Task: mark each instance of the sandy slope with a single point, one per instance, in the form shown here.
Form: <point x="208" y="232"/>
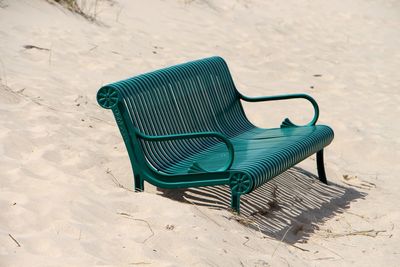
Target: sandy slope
<point x="61" y="153"/>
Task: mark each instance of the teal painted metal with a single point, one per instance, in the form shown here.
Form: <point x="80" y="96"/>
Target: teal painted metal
<point x="184" y="126"/>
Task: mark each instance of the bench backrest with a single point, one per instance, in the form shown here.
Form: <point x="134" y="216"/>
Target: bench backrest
<point x="198" y="96"/>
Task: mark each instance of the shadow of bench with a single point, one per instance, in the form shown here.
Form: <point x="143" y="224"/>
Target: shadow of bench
<point x="290" y="207"/>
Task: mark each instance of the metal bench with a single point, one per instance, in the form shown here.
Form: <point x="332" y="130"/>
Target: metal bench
<point x="184" y="126"/>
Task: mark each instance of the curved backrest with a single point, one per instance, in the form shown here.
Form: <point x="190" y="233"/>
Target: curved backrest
<point x="193" y="97"/>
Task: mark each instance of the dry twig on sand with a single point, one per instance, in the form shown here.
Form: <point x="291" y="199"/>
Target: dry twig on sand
<point x="369" y="233"/>
<point x="356" y="182"/>
<point x="116" y="182"/>
<point x="194" y="204"/>
<point x="242" y="220"/>
<point x="128" y="216"/>
<point x="36" y="47"/>
<point x="283" y="238"/>
<point x="15" y="240"/>
<point x="272" y="205"/>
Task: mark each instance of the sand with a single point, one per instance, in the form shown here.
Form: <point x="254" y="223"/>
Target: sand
<point x="65" y="187"/>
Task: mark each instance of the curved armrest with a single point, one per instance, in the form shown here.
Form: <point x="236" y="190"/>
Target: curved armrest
<point x="191" y="136"/>
<point x="287" y="122"/>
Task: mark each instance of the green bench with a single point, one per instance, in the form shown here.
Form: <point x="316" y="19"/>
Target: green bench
<point x="184" y="126"/>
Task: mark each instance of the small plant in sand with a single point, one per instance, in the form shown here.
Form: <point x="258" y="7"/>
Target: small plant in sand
<point x="2" y="4"/>
<point x="73" y="6"/>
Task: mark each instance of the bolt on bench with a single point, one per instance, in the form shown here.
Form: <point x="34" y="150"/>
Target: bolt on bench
<point x="184" y="126"/>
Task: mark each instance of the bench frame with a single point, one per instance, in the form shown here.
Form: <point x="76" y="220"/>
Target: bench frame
<point x="239" y="182"/>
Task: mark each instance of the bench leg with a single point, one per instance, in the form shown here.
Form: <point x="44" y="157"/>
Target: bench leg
<point x="235" y="202"/>
<point x="320" y="166"/>
<point x="139" y="183"/>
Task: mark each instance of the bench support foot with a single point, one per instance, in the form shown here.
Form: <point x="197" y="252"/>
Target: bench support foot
<point x="240" y="183"/>
<point x="235" y="202"/>
<point x="320" y="166"/>
<point x="139" y="183"/>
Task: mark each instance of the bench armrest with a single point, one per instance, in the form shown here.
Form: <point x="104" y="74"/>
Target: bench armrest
<point x="220" y="136"/>
<point x="286" y="122"/>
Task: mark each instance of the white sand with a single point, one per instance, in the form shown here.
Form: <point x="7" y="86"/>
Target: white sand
<point x="60" y="151"/>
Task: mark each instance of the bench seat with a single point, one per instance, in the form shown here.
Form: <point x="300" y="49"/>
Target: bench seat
<point x="262" y="153"/>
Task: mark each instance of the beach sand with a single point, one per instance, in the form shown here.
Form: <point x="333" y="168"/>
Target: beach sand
<point x="66" y="183"/>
